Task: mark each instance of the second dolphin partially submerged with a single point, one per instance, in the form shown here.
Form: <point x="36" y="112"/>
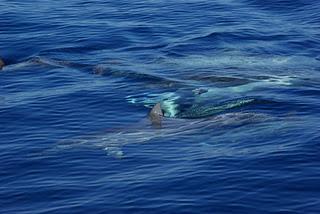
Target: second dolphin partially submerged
<point x="207" y="100"/>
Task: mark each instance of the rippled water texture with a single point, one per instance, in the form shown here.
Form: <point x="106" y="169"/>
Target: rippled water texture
<point x="238" y="83"/>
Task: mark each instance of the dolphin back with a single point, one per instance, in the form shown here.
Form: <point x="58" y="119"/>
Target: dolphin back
<point x="197" y="111"/>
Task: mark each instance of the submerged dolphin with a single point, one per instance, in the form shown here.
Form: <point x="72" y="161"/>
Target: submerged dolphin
<point x="202" y="111"/>
<point x="199" y="96"/>
<point x="159" y="126"/>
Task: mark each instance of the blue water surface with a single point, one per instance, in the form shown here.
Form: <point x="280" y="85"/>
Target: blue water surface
<point x="81" y="77"/>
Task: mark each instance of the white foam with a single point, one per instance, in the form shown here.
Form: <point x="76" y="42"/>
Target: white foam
<point x="167" y="100"/>
<point x="170" y="108"/>
<point x="241" y="60"/>
<point x="280" y="80"/>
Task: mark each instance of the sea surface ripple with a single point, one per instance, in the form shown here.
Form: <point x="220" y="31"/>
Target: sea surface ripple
<point x="81" y="76"/>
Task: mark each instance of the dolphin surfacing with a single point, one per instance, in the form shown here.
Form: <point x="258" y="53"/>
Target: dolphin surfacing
<point x="164" y="127"/>
<point x="156" y="115"/>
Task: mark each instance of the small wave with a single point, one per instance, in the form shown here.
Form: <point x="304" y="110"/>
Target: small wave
<point x="45" y="61"/>
<point x="149" y="79"/>
<point x="218" y="81"/>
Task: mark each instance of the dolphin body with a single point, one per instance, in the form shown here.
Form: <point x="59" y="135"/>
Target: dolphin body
<point x="159" y="126"/>
<point x="203" y="111"/>
<point x="199" y="96"/>
<point x="204" y="114"/>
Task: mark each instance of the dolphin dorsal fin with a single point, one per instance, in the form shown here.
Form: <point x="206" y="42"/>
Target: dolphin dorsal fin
<point x="156" y="115"/>
<point x="156" y="110"/>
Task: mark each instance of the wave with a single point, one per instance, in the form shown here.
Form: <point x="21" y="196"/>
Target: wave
<point x="243" y="61"/>
<point x="147" y="78"/>
<point x="107" y="70"/>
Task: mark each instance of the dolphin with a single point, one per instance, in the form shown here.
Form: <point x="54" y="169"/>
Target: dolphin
<point x="202" y="111"/>
<point x="158" y="125"/>
<point x="171" y="100"/>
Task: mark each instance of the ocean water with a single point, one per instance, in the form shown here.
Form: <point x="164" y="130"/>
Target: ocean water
<point x="82" y="76"/>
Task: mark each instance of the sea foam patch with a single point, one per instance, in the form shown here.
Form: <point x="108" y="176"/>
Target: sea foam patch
<point x="242" y="60"/>
<point x="168" y="101"/>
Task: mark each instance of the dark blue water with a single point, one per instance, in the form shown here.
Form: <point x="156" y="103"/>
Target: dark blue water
<point x="81" y="77"/>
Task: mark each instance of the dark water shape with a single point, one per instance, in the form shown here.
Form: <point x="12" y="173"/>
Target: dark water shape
<point x="80" y="77"/>
<point x="202" y="111"/>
